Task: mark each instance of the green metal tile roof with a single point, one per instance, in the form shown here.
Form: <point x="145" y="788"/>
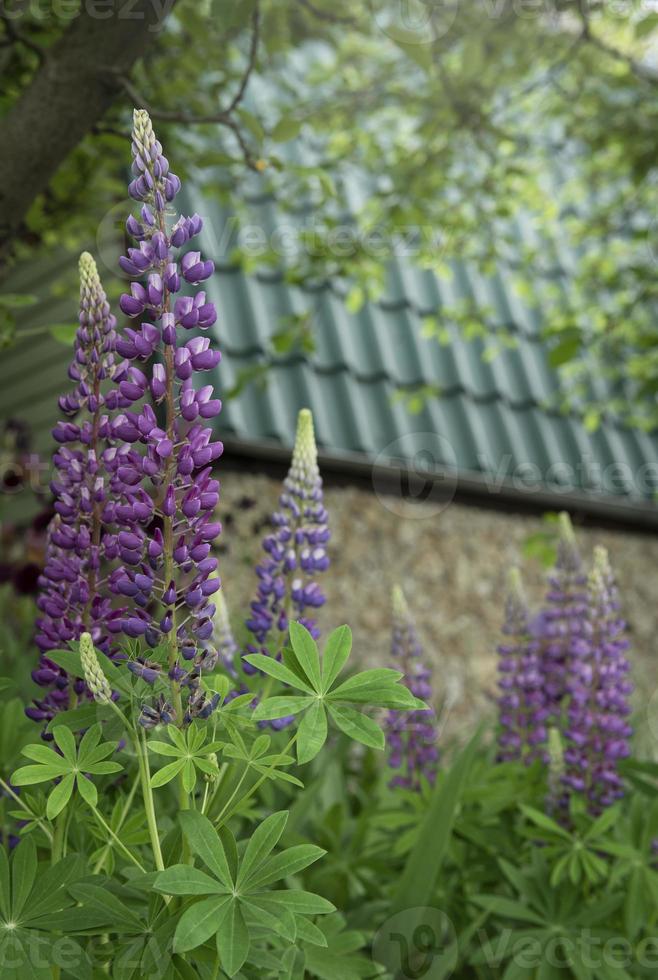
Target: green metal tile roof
<point x="489" y="415"/>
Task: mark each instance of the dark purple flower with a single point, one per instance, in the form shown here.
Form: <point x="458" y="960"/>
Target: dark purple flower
<point x="69" y="601"/>
<point x="522" y="703"/>
<point x="163" y="483"/>
<point x="559" y="626"/>
<point x="410" y="735"/>
<point x="598" y="687"/>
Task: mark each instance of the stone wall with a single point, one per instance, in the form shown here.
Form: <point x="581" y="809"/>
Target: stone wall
<point x="452" y="565"/>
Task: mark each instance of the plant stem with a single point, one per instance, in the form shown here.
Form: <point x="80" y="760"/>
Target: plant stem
<point x="42" y="823"/>
<point x="124" y="814"/>
<point x="149" y="807"/>
<point x="116" y="840"/>
<point x="223" y="816"/>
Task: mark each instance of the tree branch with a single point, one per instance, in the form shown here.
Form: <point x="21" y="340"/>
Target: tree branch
<point x="224" y="117"/>
<point x="69" y="94"/>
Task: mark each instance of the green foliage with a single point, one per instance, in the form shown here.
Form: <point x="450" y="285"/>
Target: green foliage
<point x="70" y="766"/>
<point x="468" y="126"/>
<point x="302" y="670"/>
<point x="255" y="865"/>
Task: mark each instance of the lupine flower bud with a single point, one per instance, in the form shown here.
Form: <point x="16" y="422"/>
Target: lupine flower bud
<point x="95" y="679"/>
<point x="411" y="736"/>
<point x="522" y="702"/>
<point x="295" y="549"/>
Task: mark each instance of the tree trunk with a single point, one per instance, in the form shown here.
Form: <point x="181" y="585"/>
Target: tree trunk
<point x="77" y="82"/>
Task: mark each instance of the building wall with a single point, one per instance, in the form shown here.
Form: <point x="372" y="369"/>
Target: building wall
<point x="452" y="564"/>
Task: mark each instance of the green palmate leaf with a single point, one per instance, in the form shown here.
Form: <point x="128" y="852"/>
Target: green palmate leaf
<point x="287" y="863"/>
<point x="206" y="843"/>
<point x="232" y="939"/>
<point x="182" y="879"/>
<point x="60" y="796"/>
<point x="379" y="677"/>
<point x="301" y="902"/>
<point x="312" y="733"/>
<point x="280" y="707"/>
<point x="199" y="922"/>
<point x="335" y="655"/>
<point x="391" y="696"/>
<point x="65" y="740"/>
<point x="278" y="670"/>
<point x="306" y="651"/>
<point x="310" y="933"/>
<point x="23" y="873"/>
<point x="258" y="912"/>
<point x="262" y="842"/>
<point x="508" y="908"/>
<point x="86" y="789"/>
<point x="357" y="726"/>
<point x="545" y="822"/>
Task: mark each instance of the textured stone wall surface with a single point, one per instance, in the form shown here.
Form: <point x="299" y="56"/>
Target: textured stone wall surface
<point x="452" y="565"/>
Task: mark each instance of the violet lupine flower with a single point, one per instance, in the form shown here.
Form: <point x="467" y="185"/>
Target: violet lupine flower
<point x="295" y="550"/>
<point x="162" y="473"/>
<point x="560" y="625"/>
<point x="522" y="703"/>
<point x="411" y="735"/>
<point x="598" y="731"/>
<point x="78" y="548"/>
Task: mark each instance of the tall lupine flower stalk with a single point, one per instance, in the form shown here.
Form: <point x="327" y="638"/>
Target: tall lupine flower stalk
<point x="598" y="685"/>
<point x="522" y="702"/>
<point x="560" y="625"/>
<point x="78" y="549"/>
<point x="411" y="736"/>
<point x="163" y="470"/>
<point x="294" y="550"/>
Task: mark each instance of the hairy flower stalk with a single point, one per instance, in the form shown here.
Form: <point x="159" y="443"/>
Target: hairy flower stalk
<point x="411" y="736"/>
<point x="163" y="472"/>
<point x="294" y="550"/>
<point x="78" y="548"/>
<point x="522" y="702"/>
<point x="598" y="685"/>
<point x="560" y="625"/>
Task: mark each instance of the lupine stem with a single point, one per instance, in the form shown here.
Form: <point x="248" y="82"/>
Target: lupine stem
<point x="226" y="811"/>
<point x="124" y="813"/>
<point x="116" y="840"/>
<point x="44" y="826"/>
<point x="149" y="806"/>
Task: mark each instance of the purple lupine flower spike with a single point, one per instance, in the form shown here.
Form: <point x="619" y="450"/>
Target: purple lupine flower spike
<point x="522" y="702"/>
<point x="162" y="474"/>
<point x="598" y="685"/>
<point x="560" y="625"/>
<point x="77" y="549"/>
<point x="295" y="550"/>
<point x="411" y="736"/>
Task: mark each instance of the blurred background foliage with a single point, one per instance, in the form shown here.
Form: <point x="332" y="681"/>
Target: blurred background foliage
<point x="454" y="119"/>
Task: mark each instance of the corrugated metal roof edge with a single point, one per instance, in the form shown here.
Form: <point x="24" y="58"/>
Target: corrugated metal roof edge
<point x="467" y="487"/>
